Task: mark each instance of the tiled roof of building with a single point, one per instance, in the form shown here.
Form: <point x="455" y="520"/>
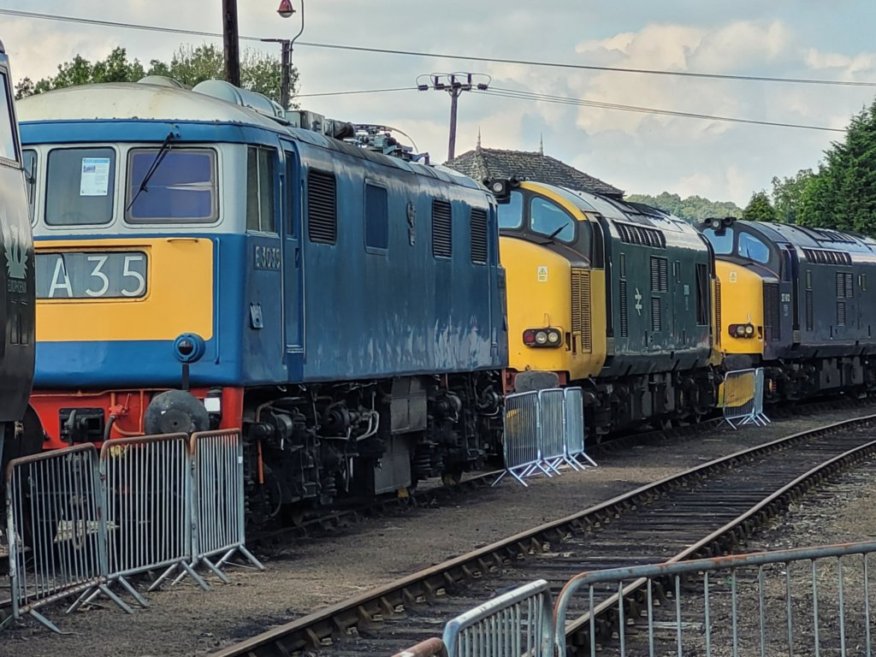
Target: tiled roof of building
<point x="492" y="163"/>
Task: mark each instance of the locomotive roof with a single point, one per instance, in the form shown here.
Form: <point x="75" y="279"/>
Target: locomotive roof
<point x="810" y="237"/>
<point x="129" y="101"/>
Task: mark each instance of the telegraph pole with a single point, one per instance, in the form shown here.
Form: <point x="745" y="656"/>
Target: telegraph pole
<point x="231" y="42"/>
<point x="454" y="84"/>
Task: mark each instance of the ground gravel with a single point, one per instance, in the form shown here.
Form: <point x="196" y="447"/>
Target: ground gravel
<point x="314" y="573"/>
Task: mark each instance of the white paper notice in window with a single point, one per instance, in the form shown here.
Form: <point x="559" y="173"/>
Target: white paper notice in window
<point x="94" y="180"/>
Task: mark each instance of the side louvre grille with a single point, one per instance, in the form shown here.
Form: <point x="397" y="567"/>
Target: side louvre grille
<point x="635" y="234"/>
<point x="581" y="320"/>
<point x="718" y="327"/>
<point x="772" y="326"/>
<point x="827" y="257"/>
<point x="656" y="315"/>
<point x="442" y="229"/>
<point x="810" y="316"/>
<point x="479" y="236"/>
<point x="622" y="303"/>
<point x="841" y="313"/>
<point x="659" y="274"/>
<point x="322" y="214"/>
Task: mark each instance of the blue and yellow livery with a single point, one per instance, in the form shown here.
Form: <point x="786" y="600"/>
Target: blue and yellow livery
<point x="343" y="306"/>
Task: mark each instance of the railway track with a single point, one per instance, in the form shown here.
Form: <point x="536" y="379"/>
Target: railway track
<point x="699" y="512"/>
<point x="330" y="521"/>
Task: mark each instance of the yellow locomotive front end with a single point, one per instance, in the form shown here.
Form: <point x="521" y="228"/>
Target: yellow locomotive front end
<point x="556" y="294"/>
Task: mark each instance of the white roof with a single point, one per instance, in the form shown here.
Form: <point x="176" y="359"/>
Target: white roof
<point x="125" y="100"/>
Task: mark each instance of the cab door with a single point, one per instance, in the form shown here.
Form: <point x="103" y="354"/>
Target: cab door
<point x="293" y="269"/>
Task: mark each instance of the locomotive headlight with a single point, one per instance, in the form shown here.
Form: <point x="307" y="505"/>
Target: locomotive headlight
<point x="542" y="337"/>
<point x="749" y="330"/>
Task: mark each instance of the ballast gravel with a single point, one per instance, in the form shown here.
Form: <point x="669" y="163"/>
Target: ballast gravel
<point x="313" y="573"/>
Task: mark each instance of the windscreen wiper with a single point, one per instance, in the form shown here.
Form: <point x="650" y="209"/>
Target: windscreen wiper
<point x="159" y="158"/>
<point x="550" y="238"/>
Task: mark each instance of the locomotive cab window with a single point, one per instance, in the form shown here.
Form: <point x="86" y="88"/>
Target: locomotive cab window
<point x="722" y="242"/>
<point x="753" y="248"/>
<point x="260" y="190"/>
<point x="29" y="160"/>
<point x="80" y="185"/>
<point x="7" y="123"/>
<point x="511" y="213"/>
<point x="171" y="186"/>
<point x="547" y="218"/>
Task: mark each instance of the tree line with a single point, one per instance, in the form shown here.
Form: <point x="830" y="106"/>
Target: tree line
<point x="189" y="66"/>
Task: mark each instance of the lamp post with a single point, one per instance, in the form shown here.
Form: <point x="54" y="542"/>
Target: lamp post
<point x="286" y="10"/>
<point x="454" y="84"/>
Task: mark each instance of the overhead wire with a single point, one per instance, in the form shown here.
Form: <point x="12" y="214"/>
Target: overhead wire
<point x="583" y="102"/>
<point x="453" y="56"/>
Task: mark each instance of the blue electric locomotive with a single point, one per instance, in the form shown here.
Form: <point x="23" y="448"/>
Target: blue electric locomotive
<point x="202" y="262"/>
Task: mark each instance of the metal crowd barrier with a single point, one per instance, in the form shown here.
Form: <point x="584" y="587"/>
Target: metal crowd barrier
<point x="552" y="418"/>
<point x="574" y="430"/>
<point x="812" y="600"/>
<point x="543" y="430"/>
<point x="149" y="507"/>
<point x="516" y="623"/>
<point x="218" y="496"/>
<point x="802" y="601"/>
<point x="742" y="393"/>
<point x="520" y="442"/>
<point x="54" y="504"/>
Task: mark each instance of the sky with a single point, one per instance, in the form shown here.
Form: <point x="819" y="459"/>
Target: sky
<point x="638" y="152"/>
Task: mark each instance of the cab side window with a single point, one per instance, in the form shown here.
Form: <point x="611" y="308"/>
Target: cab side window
<point x="7" y="124"/>
<point x="260" y="190"/>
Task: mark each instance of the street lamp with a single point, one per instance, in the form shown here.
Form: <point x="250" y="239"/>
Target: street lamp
<point x="286" y="10"/>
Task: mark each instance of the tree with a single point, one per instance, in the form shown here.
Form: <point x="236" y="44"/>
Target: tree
<point x="759" y="208"/>
<point x="259" y="72"/>
<point x="788" y="195"/>
<point x="692" y="208"/>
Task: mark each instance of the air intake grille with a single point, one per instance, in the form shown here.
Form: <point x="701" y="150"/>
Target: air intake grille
<point x="772" y="325"/>
<point x="581" y="322"/>
<point x="826" y="257"/>
<point x="622" y="302"/>
<point x="635" y="234"/>
<point x="841" y="313"/>
<point x="442" y="230"/>
<point x="656" y="314"/>
<point x="479" y="236"/>
<point x="659" y="274"/>
<point x="322" y="215"/>
<point x="718" y="328"/>
<point x="810" y="314"/>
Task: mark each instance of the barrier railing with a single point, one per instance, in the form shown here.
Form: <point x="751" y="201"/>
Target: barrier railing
<point x="742" y="394"/>
<point x="552" y="418"/>
<point x="543" y="430"/>
<point x="79" y="521"/>
<point x="812" y="600"/>
<point x="574" y="430"/>
<point x="55" y="507"/>
<point x="516" y="623"/>
<point x="218" y="496"/>
<point x="520" y="443"/>
<point x="149" y="506"/>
